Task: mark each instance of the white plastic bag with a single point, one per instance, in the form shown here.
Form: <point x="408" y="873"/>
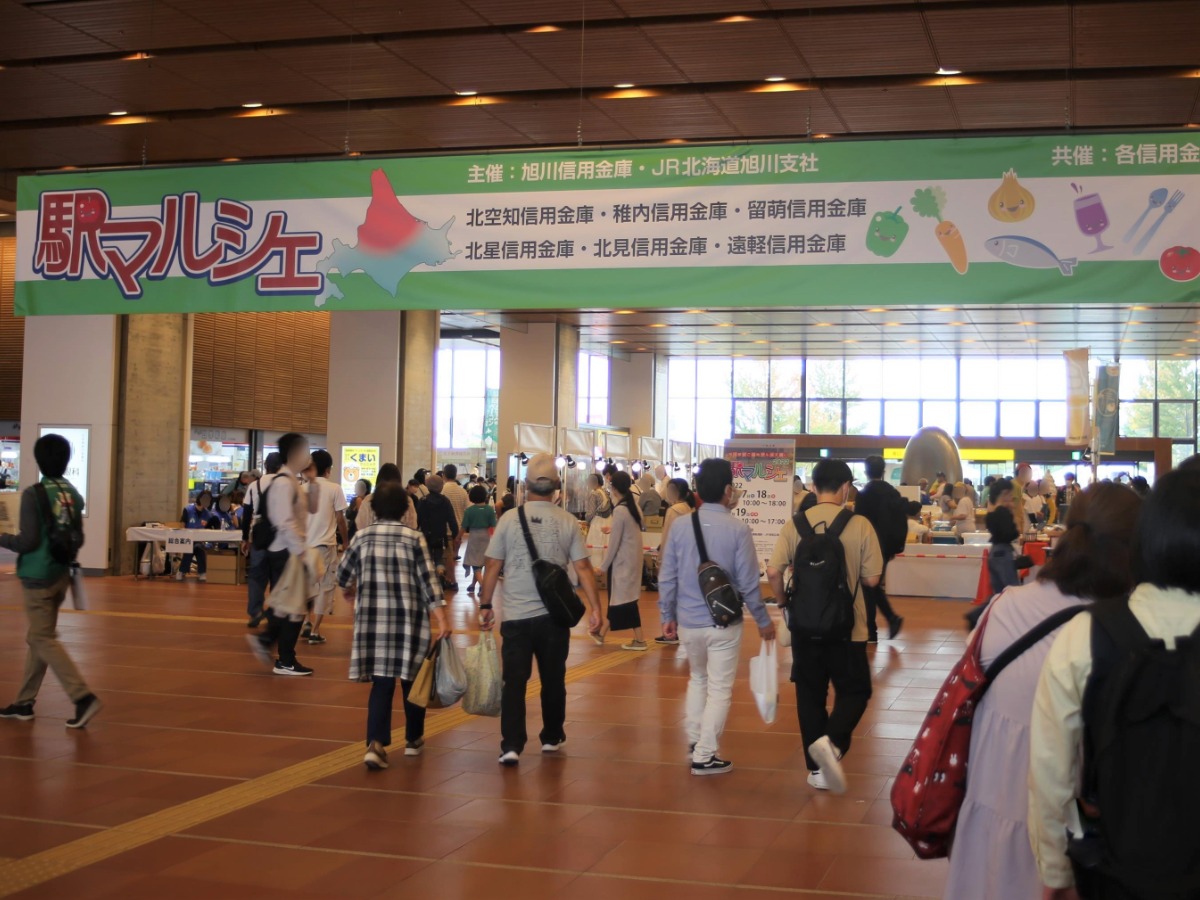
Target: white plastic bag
<point x="484" y="682"/>
<point x="449" y="678"/>
<point x="764" y="681"/>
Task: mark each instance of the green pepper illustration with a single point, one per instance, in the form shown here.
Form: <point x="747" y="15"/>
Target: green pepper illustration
<point x="886" y="232"/>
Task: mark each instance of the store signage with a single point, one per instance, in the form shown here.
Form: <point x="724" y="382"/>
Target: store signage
<point x="762" y="472"/>
<point x="359" y="461"/>
<point x="78" y="436"/>
<point x="969" y="454"/>
<point x="1059" y="218"/>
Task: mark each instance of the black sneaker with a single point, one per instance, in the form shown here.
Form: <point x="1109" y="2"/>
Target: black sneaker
<point x="255" y="621"/>
<point x="22" y="712"/>
<point x="471" y="589"/>
<point x="315" y="638"/>
<point x="894" y="627"/>
<point x="715" y="766"/>
<point x="414" y="748"/>
<point x="294" y="669"/>
<point x="85" y="711"/>
<point x="306" y="631"/>
<point x="666" y="641"/>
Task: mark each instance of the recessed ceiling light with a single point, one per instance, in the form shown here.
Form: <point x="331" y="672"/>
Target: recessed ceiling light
<point x="1191" y="340"/>
<point x="658" y="324"/>
<point x="1131" y="322"/>
<point x="119" y="112"/>
<point x="624" y="312"/>
<point x="232" y="159"/>
<point x="1179" y="354"/>
<point x="134" y="57"/>
<point x="724" y="324"/>
<point x="912" y="341"/>
<point x="742" y="355"/>
<point x="849" y="341"/>
<point x="1126" y="340"/>
<point x="1031" y="340"/>
<point x="892" y="324"/>
<point x="624" y="85"/>
<point x="253" y="104"/>
<point x="466" y="93"/>
<point x="694" y="312"/>
<point x="942" y="70"/>
<point x="876" y="309"/>
<point x="676" y="140"/>
<point x="616" y="342"/>
<point x="701" y="342"/>
<point x="542" y="29"/>
<point x="732" y="20"/>
<point x="1139" y="308"/>
<point x="957" y="324"/>
<point x="775" y="78"/>
<point x="821" y="137"/>
<point x="945" y="309"/>
<point x="967" y="341"/>
<point x="824" y="325"/>
<point x="762" y="342"/>
<point x="1025" y="323"/>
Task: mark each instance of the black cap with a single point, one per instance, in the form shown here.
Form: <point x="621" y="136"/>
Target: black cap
<point x="832" y="471"/>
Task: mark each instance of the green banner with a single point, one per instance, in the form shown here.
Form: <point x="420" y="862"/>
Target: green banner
<point x="1057" y="219"/>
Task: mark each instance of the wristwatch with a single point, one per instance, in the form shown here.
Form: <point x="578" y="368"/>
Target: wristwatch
<point x="484" y="606"/>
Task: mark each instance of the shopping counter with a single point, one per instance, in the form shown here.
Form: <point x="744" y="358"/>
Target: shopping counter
<point x="931" y="570"/>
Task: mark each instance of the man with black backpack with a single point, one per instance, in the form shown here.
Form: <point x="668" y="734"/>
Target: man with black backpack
<point x="50" y="535"/>
<point x="1121" y="688"/>
<point x="887" y="511"/>
<point x="833" y="555"/>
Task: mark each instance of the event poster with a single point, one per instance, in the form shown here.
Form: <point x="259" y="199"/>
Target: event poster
<point x="1108" y="408"/>
<point x="359" y="461"/>
<point x="1079" y="397"/>
<point x="762" y="473"/>
<point x="1070" y="218"/>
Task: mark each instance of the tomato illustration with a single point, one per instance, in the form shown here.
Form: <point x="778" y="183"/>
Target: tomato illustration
<point x="1180" y="263"/>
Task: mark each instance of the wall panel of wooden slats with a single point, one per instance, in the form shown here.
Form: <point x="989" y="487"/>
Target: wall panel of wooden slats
<point x="12" y="336"/>
<point x="279" y="363"/>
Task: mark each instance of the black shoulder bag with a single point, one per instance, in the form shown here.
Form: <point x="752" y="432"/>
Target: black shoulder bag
<point x="725" y="604"/>
<point x="552" y="582"/>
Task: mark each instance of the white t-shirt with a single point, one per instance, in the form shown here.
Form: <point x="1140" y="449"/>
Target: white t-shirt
<point x="967" y="525"/>
<point x="917" y="530"/>
<point x="322" y="524"/>
<point x="1034" y="505"/>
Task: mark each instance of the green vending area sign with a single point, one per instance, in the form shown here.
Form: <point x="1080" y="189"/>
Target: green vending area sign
<point x="1054" y="219"/>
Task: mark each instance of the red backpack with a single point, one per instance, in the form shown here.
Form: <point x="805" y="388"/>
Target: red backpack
<point x="929" y="790"/>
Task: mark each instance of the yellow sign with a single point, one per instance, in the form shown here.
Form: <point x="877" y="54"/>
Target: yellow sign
<point x="987" y="455"/>
<point x="358" y="462"/>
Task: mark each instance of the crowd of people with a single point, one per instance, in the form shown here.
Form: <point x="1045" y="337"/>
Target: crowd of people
<point x="1100" y="717"/>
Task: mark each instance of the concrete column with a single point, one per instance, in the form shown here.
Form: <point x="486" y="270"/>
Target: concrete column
<point x="382" y="367"/>
<point x="538" y="382"/>
<point x="631" y="395"/>
<point x="70" y="379"/>
<point x="154" y="399"/>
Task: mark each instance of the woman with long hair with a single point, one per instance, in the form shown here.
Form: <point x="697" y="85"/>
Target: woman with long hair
<point x="991" y="858"/>
<point x="597" y="503"/>
<point x="623" y="563"/>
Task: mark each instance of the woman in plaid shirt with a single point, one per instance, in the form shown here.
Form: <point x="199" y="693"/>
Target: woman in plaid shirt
<point x="388" y="570"/>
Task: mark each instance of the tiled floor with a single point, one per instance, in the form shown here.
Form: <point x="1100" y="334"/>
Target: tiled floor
<point x="140" y="804"/>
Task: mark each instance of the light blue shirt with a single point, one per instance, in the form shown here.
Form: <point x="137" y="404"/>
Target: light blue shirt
<point x="730" y="545"/>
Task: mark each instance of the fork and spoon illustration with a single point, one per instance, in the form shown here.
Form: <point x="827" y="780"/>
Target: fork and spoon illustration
<point x="1158" y="199"/>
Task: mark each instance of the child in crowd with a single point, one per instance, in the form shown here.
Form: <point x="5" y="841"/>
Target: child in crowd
<point x="1002" y="565"/>
<point x="478" y="522"/>
<point x="918" y="531"/>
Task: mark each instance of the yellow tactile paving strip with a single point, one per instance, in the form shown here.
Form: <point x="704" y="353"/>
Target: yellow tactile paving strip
<point x="21" y="874"/>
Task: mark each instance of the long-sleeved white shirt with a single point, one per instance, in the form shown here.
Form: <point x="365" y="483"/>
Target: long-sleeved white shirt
<point x="1056" y="736"/>
<point x="288" y="511"/>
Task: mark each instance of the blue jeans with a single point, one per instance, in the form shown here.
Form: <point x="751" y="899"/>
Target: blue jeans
<point x="201" y="556"/>
<point x="379" y="712"/>
<point x="257" y="576"/>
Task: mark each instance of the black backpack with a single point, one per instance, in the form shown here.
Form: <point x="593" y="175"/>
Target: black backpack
<point x="1141" y="711"/>
<point x="64" y="532"/>
<point x="892" y="516"/>
<point x="263" y="531"/>
<point x="820" y="602"/>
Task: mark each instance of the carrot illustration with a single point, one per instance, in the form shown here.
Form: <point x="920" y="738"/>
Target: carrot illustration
<point x="929" y="202"/>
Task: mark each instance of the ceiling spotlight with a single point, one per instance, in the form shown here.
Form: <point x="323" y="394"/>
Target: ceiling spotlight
<point x="942" y="70"/>
<point x="624" y="85"/>
<point x="466" y="93"/>
<point x="571" y="462"/>
<point x="253" y="104"/>
<point x="523" y="457"/>
<point x="119" y="112"/>
<point x="560" y="462"/>
<point x="774" y="79"/>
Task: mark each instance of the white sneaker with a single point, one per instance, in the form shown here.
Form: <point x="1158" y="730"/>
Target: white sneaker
<point x="817" y="780"/>
<point x="511" y="758"/>
<point x="827" y="757"/>
<point x="203" y="579"/>
<point x="179" y="576"/>
<point x="553" y="748"/>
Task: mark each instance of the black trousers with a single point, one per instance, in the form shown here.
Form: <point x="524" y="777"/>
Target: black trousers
<point x="526" y="640"/>
<point x="877" y="599"/>
<point x="280" y="631"/>
<point x="815" y="666"/>
<point x="379" y="712"/>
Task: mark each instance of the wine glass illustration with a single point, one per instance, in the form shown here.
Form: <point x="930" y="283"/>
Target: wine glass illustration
<point x="1092" y="219"/>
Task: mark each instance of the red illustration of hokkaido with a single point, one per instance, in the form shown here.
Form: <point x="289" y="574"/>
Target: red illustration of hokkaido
<point x="389" y="226"/>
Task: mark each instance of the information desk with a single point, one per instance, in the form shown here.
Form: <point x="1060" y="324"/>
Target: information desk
<point x="940" y="571"/>
<point x="183" y="540"/>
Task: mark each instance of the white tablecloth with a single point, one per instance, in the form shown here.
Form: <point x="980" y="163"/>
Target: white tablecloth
<point x="181" y="540"/>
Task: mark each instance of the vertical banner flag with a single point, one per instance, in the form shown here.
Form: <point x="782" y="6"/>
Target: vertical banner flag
<point x="1079" y="396"/>
<point x="762" y="472"/>
<point x="1108" y="404"/>
<point x="359" y="461"/>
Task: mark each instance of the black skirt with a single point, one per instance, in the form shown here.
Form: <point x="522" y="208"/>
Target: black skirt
<point x="624" y="616"/>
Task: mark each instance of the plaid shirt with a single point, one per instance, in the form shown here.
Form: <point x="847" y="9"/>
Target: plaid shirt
<point x="397" y="586"/>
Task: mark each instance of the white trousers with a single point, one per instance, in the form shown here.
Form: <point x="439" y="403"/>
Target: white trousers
<point x="712" y="655"/>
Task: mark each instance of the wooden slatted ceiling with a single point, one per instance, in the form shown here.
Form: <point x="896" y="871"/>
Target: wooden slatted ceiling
<point x="12" y="336"/>
<point x="281" y="361"/>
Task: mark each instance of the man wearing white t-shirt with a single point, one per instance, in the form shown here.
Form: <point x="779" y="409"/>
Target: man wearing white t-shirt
<point x="326" y="521"/>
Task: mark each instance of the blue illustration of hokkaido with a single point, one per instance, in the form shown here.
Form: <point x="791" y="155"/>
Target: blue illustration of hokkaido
<point x="428" y="247"/>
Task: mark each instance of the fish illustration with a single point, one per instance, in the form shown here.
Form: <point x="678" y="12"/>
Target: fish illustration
<point x="1029" y="254"/>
